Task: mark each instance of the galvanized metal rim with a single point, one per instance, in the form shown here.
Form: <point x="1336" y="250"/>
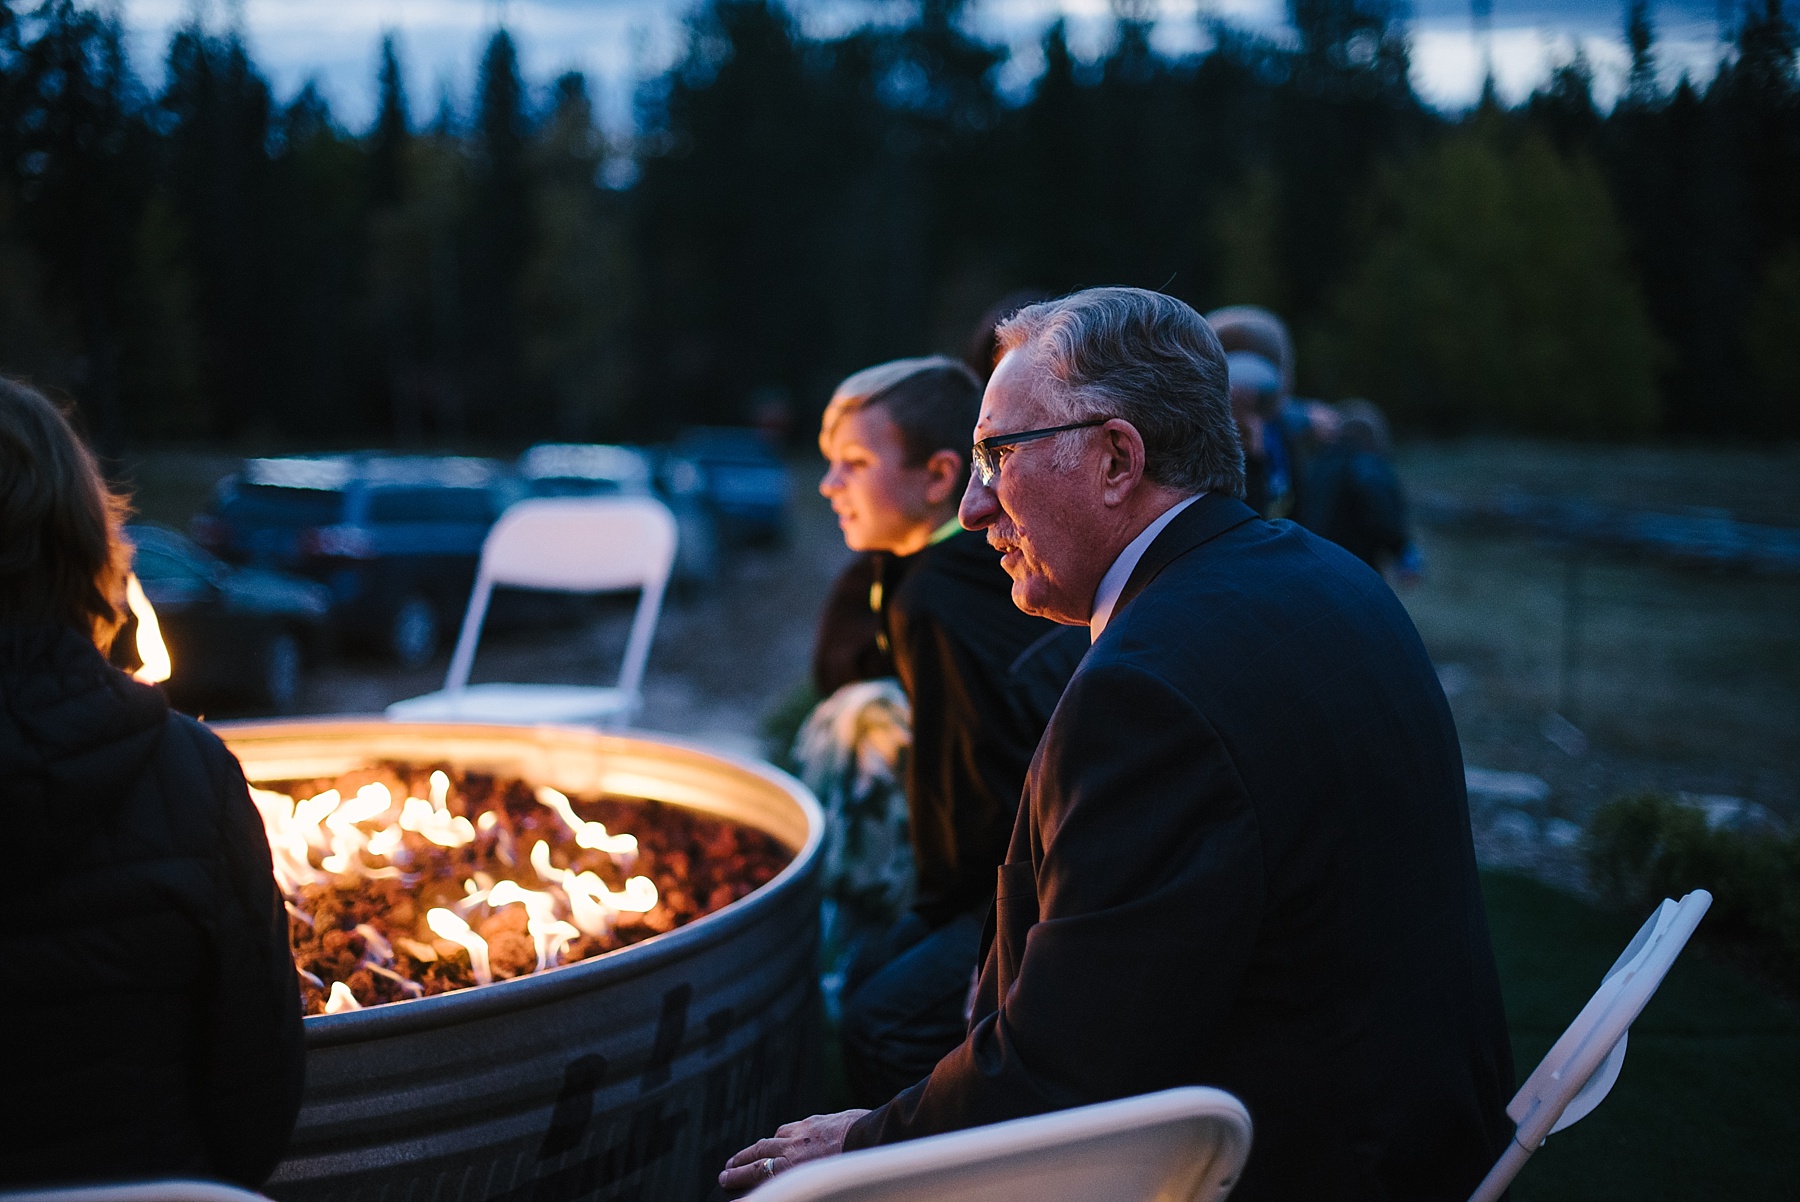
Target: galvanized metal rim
<point x="463" y="1005"/>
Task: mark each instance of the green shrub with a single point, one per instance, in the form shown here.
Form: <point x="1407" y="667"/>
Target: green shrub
<point x="1773" y="340"/>
<point x="1645" y="847"/>
<point x="783" y="721"/>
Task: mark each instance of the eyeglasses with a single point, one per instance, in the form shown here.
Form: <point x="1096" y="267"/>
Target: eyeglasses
<point x="986" y="456"/>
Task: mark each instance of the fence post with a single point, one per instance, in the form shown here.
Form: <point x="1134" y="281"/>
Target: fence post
<point x="1568" y="688"/>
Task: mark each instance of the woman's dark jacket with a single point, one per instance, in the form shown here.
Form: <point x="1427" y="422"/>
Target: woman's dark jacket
<point x="147" y="998"/>
<point x="1354" y="498"/>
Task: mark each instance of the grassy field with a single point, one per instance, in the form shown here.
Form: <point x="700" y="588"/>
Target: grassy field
<point x="1755" y="485"/>
<point x="1708" y="1103"/>
<point x="1682" y="680"/>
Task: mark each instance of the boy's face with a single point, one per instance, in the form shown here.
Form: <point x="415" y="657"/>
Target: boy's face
<point x="882" y="504"/>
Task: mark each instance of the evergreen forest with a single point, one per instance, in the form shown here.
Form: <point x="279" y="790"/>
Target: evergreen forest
<point x="211" y="262"/>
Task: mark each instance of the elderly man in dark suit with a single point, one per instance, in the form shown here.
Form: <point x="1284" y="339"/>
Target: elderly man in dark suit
<point x="1243" y="854"/>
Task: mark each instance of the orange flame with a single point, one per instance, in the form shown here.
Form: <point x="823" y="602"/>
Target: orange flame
<point x="329" y="836"/>
<point x="341" y="999"/>
<point x="549" y="934"/>
<point x="152" y="652"/>
<point x="591" y="904"/>
<point x="448" y="924"/>
<point x="587" y="834"/>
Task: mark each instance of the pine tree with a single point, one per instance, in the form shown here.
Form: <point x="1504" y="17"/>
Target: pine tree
<point x="1642" y="87"/>
<point x="78" y="158"/>
<point x="316" y="210"/>
<point x="1755" y="103"/>
<point x="1352" y="47"/>
<point x="748" y="192"/>
<point x="1057" y="176"/>
<point x="499" y="240"/>
<point x="806" y="205"/>
<point x="217" y="110"/>
<point x="388" y="141"/>
<point x="1563" y="108"/>
<point x="33" y="343"/>
<point x="577" y="287"/>
<point x="1346" y="105"/>
<point x="1773" y="338"/>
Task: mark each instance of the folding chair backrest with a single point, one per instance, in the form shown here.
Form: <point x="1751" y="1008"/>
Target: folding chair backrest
<point x="1580" y="1069"/>
<point x="575" y="544"/>
<point x="1181" y="1145"/>
<point x="137" y="1191"/>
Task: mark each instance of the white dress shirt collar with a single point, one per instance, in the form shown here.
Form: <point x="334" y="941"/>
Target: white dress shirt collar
<point x="1106" y="597"/>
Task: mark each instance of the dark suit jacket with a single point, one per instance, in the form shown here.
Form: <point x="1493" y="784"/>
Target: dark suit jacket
<point x="1243" y="860"/>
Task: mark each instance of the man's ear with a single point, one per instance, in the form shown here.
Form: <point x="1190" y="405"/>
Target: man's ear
<point x="946" y="469"/>
<point x="1122" y="467"/>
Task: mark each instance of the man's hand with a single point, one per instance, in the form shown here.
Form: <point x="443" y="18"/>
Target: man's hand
<point x="792" y="1144"/>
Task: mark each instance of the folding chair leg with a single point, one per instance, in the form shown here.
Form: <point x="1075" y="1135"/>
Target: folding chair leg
<point x="1502" y="1174"/>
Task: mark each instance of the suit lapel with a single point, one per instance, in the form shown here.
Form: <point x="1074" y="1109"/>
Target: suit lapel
<point x="1204" y="520"/>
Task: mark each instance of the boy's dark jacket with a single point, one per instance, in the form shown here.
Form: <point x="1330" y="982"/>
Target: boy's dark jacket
<point x="983" y="679"/>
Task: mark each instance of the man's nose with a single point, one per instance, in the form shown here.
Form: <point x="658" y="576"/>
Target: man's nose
<point x="979" y="505"/>
<point x="828" y="483"/>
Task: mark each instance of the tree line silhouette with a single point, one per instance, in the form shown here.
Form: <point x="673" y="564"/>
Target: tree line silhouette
<point x="209" y="262"/>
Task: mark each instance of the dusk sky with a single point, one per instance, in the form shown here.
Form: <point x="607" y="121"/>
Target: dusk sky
<point x="620" y="41"/>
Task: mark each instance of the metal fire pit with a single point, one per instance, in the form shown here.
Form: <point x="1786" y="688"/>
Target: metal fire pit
<point x="630" y="1075"/>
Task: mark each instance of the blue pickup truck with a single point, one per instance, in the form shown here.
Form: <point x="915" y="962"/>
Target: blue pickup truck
<point x="396" y="538"/>
<point x="744" y="482"/>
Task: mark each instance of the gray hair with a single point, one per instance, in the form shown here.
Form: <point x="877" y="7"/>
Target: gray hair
<point x="1254" y="328"/>
<point x="1146" y="358"/>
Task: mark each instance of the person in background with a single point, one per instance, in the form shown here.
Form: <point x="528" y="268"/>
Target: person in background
<point x="1353" y="495"/>
<point x="148" y="999"/>
<point x="981" y="678"/>
<point x="1270" y="484"/>
<point x="1307" y="424"/>
<point x="982" y="351"/>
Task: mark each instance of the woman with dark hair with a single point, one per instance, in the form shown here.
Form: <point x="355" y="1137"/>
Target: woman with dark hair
<point x="147" y="995"/>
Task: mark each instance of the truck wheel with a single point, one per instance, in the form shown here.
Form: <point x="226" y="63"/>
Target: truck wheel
<point x="696" y="549"/>
<point x="413" y="633"/>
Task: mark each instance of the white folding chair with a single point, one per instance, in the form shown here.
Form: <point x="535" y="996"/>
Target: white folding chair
<point x="568" y="544"/>
<point x="137" y="1191"/>
<point x="1180" y="1145"/>
<point x="1580" y="1069"/>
